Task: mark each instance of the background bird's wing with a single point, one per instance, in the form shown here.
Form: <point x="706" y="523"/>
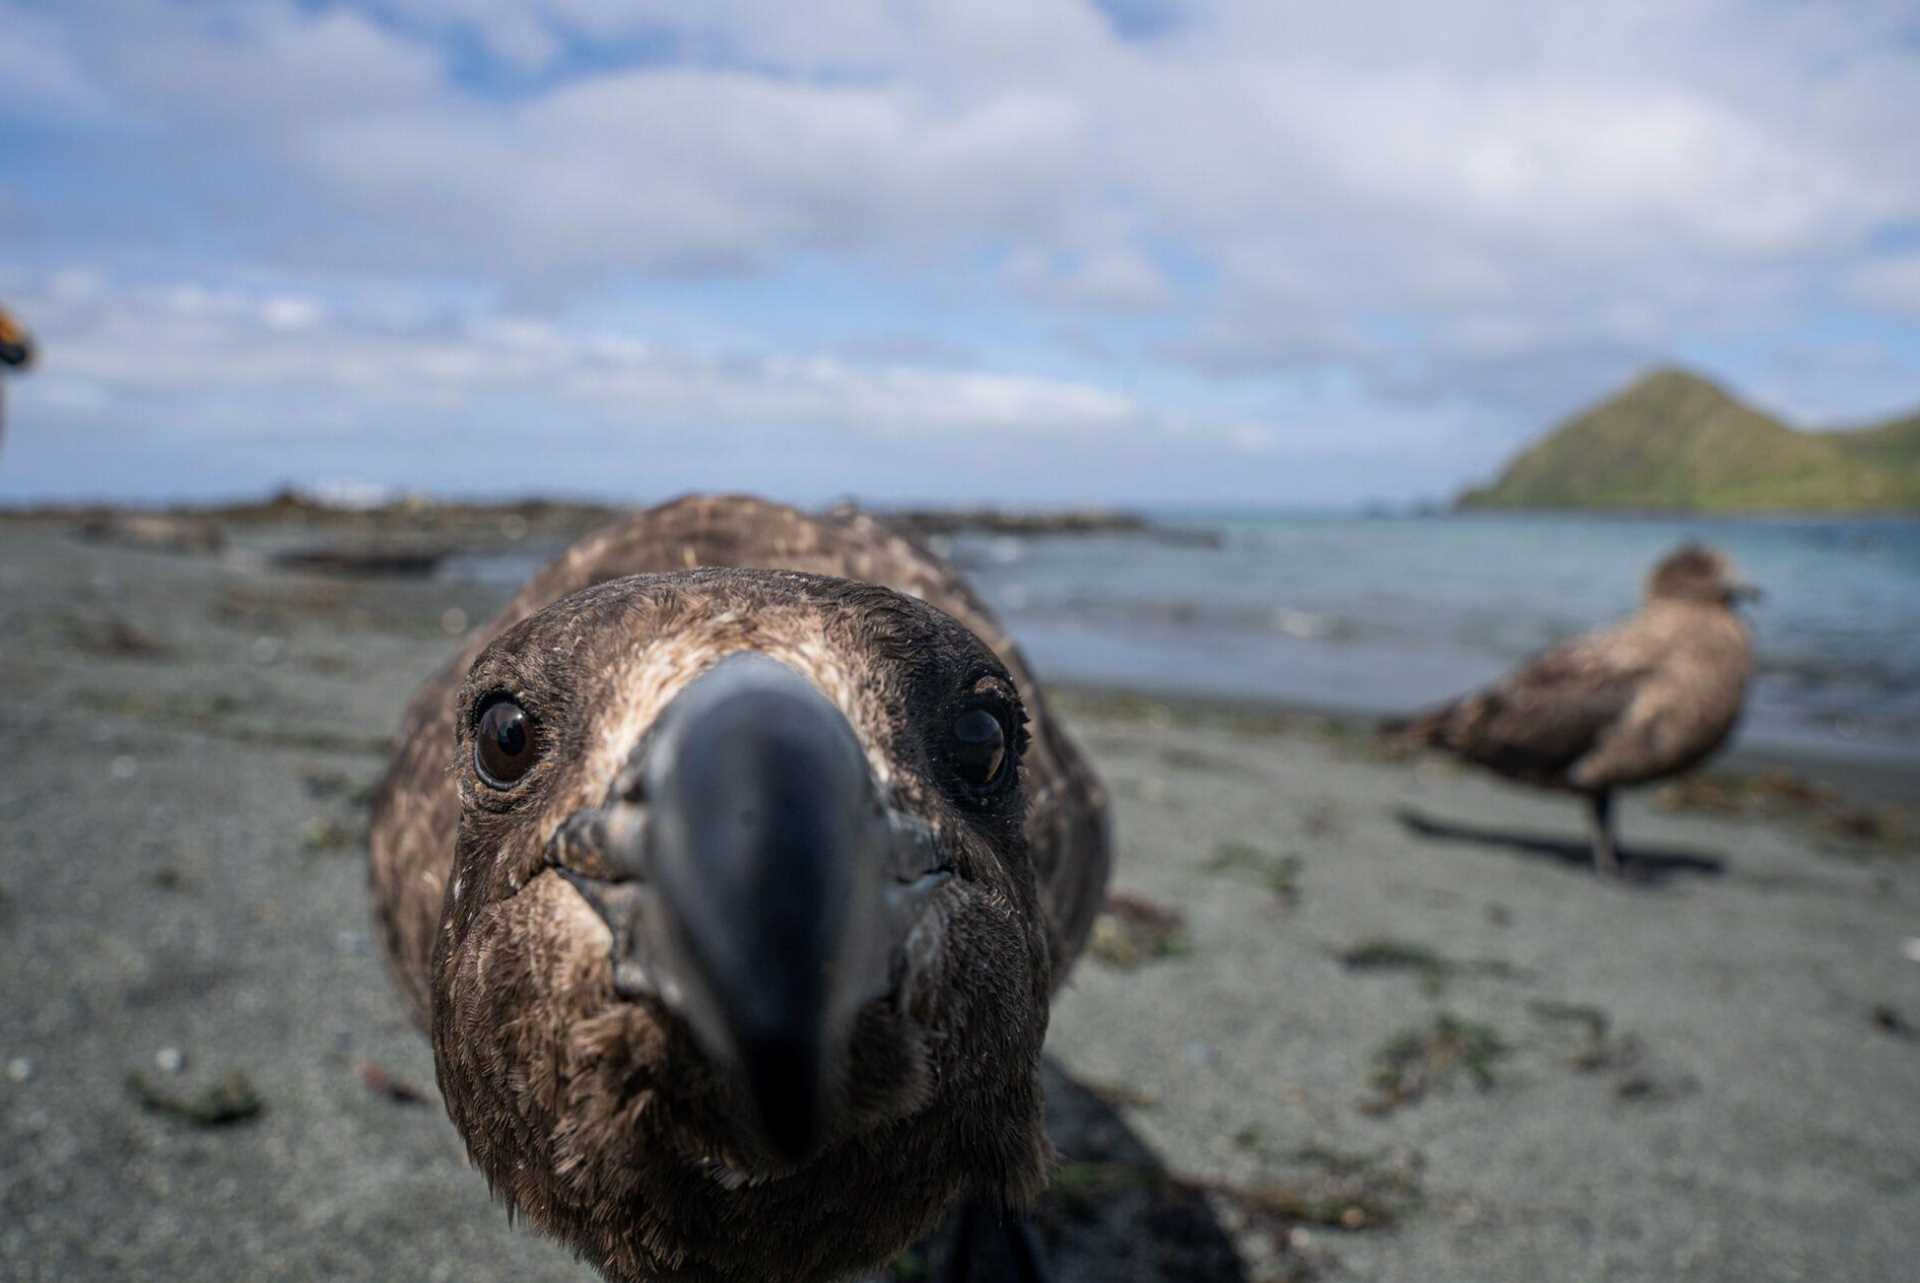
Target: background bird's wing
<point x="1542" y="717"/>
<point x="417" y="810"/>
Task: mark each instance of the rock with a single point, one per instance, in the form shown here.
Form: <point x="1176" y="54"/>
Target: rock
<point x="373" y="561"/>
<point x="230" y="1100"/>
<point x="156" y="531"/>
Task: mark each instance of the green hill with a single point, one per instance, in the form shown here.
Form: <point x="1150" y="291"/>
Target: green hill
<point x="1674" y="441"/>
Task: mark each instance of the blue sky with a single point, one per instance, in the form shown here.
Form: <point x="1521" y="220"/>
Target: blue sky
<point x="1021" y="251"/>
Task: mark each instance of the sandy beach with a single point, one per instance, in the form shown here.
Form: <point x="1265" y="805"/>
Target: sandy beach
<point x="1352" y="1017"/>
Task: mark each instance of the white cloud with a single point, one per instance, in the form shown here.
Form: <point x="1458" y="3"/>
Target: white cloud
<point x="257" y="356"/>
<point x="286" y="313"/>
<point x="1459" y="129"/>
<point x="1474" y="202"/>
<point x="685" y="170"/>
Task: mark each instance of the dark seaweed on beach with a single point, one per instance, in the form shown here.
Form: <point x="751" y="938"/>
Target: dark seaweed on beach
<point x="166" y="877"/>
<point x="1416" y="1061"/>
<point x="1349" y="1193"/>
<point x="1394" y="955"/>
<point x="1603" y="1052"/>
<point x="1433" y="968"/>
<point x="1781" y="793"/>
<point x="323" y="834"/>
<point x="1600" y="1049"/>
<point x="230" y="1100"/>
<point x="382" y="1083"/>
<point x="1593" y="1019"/>
<point x="1338" y="1190"/>
<point x="1134" y="929"/>
<point x="1279" y="874"/>
<point x="1888" y="1020"/>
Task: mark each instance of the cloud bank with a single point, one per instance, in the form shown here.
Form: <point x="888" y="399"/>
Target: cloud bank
<point x="1246" y="252"/>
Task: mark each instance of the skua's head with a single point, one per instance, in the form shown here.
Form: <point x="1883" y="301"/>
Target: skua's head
<point x="1695" y="572"/>
<point x="741" y="911"/>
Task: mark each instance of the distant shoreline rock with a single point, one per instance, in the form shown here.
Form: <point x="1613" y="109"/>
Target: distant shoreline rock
<point x="1043" y="522"/>
<point x="373" y="562"/>
<point x="464" y="522"/>
<point x="155" y="531"/>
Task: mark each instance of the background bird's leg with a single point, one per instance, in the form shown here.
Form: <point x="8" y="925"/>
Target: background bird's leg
<point x="1017" y="1261"/>
<point x="1605" y="858"/>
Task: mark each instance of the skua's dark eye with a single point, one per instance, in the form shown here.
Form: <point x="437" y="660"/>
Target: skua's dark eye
<point x="503" y="744"/>
<point x="979" y="750"/>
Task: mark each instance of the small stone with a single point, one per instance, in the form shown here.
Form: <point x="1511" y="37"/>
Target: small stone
<point x="1911" y="948"/>
<point x="268" y="650"/>
<point x="453" y="621"/>
<point x="19" y="1069"/>
<point x="169" y="1060"/>
<point x="123" y="767"/>
<point x="230" y="1100"/>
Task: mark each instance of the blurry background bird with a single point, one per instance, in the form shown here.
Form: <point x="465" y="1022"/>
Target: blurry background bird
<point x="1648" y="698"/>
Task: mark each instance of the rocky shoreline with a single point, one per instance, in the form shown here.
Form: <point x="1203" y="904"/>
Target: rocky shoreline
<point x="459" y="520"/>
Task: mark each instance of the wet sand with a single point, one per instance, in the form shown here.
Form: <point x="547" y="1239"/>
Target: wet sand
<point x="1360" y="1018"/>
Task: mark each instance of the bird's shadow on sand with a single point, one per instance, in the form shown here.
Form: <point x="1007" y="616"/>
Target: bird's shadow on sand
<point x="1642" y="865"/>
<point x="1113" y="1213"/>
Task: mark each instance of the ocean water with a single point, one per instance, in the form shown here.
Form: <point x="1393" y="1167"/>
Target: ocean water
<point x="1378" y="614"/>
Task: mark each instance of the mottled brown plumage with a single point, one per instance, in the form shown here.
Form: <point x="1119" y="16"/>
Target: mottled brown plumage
<point x="1648" y="698"/>
<point x="598" y="1098"/>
